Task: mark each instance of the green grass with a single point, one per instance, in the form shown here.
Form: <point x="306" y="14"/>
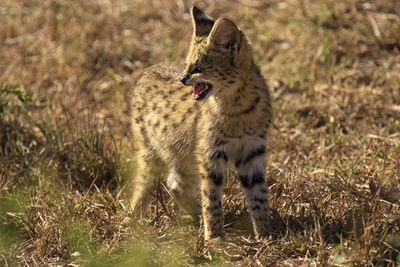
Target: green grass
<point x="66" y="68"/>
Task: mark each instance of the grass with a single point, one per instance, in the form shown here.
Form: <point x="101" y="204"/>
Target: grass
<point x="66" y="68"/>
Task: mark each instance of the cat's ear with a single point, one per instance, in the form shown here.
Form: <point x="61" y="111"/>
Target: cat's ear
<point x="202" y="24"/>
<point x="227" y="37"/>
<point x="224" y="34"/>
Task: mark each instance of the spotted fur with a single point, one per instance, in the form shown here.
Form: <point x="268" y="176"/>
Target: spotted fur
<point x="196" y="140"/>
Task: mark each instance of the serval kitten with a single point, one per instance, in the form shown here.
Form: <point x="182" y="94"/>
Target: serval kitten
<point x="196" y="123"/>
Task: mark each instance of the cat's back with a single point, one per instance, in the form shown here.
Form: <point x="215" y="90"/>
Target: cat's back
<point x="164" y="114"/>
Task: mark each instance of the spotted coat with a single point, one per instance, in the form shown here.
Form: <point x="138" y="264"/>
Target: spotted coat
<point x="196" y="140"/>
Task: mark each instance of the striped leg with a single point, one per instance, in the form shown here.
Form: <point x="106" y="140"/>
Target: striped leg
<point x="251" y="174"/>
<point x="212" y="172"/>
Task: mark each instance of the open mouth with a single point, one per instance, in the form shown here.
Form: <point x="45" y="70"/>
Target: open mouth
<point x="200" y="90"/>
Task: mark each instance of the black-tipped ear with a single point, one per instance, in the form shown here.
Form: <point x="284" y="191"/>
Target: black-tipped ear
<point x="202" y="24"/>
<point x="224" y="33"/>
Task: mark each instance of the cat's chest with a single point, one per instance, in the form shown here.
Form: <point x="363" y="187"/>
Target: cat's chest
<point x="236" y="149"/>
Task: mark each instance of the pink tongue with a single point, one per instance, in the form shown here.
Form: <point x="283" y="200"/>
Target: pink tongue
<point x="198" y="88"/>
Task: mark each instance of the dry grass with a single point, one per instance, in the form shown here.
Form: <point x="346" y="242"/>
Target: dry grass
<point x="334" y="159"/>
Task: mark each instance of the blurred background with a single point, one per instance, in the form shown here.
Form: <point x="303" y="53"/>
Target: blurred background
<point x="66" y="68"/>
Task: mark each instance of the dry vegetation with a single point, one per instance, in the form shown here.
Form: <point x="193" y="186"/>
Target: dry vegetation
<point x="66" y="68"/>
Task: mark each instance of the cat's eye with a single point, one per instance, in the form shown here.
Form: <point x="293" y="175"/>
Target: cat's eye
<point x="197" y="70"/>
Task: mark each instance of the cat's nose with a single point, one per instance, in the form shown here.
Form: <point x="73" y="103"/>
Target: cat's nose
<point x="183" y="79"/>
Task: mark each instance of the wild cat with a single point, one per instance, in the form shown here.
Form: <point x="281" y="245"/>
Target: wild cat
<point x="194" y="124"/>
